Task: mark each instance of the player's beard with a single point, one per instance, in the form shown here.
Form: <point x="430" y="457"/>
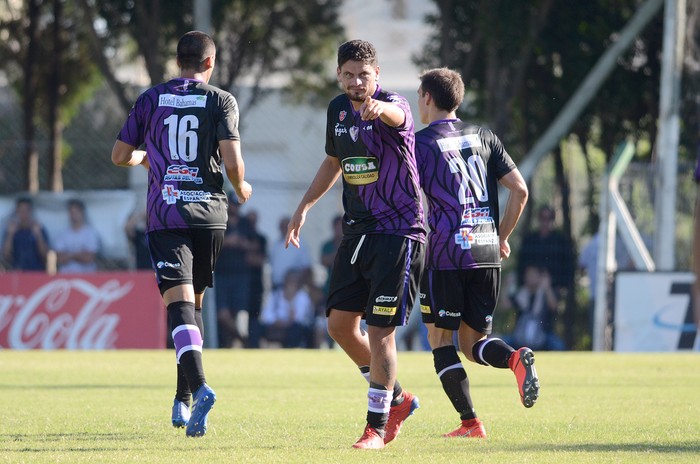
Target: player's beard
<point x="356" y="96"/>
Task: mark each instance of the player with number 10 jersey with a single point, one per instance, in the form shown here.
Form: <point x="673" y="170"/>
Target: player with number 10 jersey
<point x="458" y="161"/>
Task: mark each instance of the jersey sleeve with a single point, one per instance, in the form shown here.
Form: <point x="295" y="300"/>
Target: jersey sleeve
<point x="227" y="128"/>
<point x="503" y="162"/>
<point x="402" y="103"/>
<point x="133" y="131"/>
<point x="330" y="145"/>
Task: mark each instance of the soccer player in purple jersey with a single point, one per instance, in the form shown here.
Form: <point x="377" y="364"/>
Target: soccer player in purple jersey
<point x="370" y="141"/>
<point x="460" y="166"/>
<point x="188" y="128"/>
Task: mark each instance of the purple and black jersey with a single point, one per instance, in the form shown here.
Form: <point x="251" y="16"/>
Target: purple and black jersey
<point x="697" y="168"/>
<point x="459" y="165"/>
<point x="381" y="192"/>
<point x="181" y="123"/>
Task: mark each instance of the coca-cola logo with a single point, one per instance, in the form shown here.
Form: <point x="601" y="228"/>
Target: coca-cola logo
<point x="69" y="313"/>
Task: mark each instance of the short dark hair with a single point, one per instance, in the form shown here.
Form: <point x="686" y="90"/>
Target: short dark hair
<point x="193" y="48"/>
<point x="24" y="200"/>
<point x="357" y="50"/>
<point x="74" y="202"/>
<point x="445" y="86"/>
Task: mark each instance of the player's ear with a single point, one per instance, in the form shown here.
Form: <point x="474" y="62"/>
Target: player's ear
<point x="209" y="61"/>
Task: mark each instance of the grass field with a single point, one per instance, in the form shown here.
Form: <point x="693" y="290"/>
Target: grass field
<point x="309" y="406"/>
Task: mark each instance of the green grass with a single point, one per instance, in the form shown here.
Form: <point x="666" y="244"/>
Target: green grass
<point x="309" y="406"/>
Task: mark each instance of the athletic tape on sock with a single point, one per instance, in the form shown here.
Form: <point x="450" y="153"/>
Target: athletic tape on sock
<point x="187" y="338"/>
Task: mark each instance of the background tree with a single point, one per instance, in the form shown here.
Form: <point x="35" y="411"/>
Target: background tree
<point x="46" y="62"/>
<point x="523" y="60"/>
<point x="260" y="44"/>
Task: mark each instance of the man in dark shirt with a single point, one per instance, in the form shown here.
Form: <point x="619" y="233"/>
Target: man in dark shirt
<point x="26" y="242"/>
<point x="460" y="166"/>
<point x="188" y="128"/>
<point x="370" y="141"/>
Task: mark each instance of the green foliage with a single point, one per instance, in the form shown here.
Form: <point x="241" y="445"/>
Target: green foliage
<point x="301" y="406"/>
<point x="522" y="61"/>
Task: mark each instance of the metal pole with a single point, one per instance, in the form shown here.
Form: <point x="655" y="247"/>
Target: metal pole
<point x="667" y="140"/>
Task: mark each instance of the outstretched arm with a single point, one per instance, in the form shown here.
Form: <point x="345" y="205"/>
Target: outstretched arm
<point x="325" y="177"/>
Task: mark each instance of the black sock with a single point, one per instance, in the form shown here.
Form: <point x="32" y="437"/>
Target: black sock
<point x="397" y="395"/>
<point x="492" y="352"/>
<point x="182" y="313"/>
<point x="183" y="392"/>
<point x="454" y="380"/>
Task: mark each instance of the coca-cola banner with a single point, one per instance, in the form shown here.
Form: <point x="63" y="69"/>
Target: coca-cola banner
<point x="105" y="310"/>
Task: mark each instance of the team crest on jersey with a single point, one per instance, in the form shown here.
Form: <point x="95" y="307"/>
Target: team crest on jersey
<point x="341" y="115"/>
<point x="354" y="131"/>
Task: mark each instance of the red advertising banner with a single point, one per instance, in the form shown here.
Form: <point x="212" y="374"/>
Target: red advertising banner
<point x="101" y="311"/>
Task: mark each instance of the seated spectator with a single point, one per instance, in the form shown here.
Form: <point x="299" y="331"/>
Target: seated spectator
<point x="232" y="277"/>
<point x="135" y="229"/>
<point x="78" y="245"/>
<point x="26" y="243"/>
<point x="536" y="303"/>
<point x="288" y="314"/>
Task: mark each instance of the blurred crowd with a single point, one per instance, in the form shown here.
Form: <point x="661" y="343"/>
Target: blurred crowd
<point x="267" y="295"/>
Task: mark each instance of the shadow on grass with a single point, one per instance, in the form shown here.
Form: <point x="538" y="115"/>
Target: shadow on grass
<point x="37" y="439"/>
<point x="691" y="446"/>
<point x="107" y="386"/>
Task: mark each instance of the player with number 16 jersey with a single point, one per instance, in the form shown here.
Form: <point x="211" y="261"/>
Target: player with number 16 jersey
<point x="185" y="176"/>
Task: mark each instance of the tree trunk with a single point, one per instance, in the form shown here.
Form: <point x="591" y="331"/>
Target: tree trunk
<point x="570" y="297"/>
<point x="54" y="109"/>
<point x="30" y="62"/>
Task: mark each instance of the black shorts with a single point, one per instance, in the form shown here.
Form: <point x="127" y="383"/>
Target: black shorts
<point x="378" y="275"/>
<point x="449" y="297"/>
<point x="185" y="256"/>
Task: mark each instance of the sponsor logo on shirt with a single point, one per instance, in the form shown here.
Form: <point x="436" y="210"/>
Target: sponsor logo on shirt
<point x="474" y="216"/>
<point x="384" y="310"/>
<point x="386" y="299"/>
<point x="425" y="309"/>
<point x="360" y="170"/>
<point x="464" y="239"/>
<point x="485" y="238"/>
<point x="458" y="143"/>
<point x="340" y="129"/>
<point x="171" y="195"/>
<point x="182" y="173"/>
<point x="182" y="101"/>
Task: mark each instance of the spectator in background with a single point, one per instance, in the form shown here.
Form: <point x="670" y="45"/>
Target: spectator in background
<point x="329" y="249"/>
<point x="255" y="259"/>
<point x="328" y="252"/>
<point x="536" y="304"/>
<point x="135" y="230"/>
<point x="78" y="245"/>
<point x="232" y="276"/>
<point x="549" y="248"/>
<point x="288" y="314"/>
<point x="696" y="259"/>
<point x="283" y="260"/>
<point x="26" y="243"/>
